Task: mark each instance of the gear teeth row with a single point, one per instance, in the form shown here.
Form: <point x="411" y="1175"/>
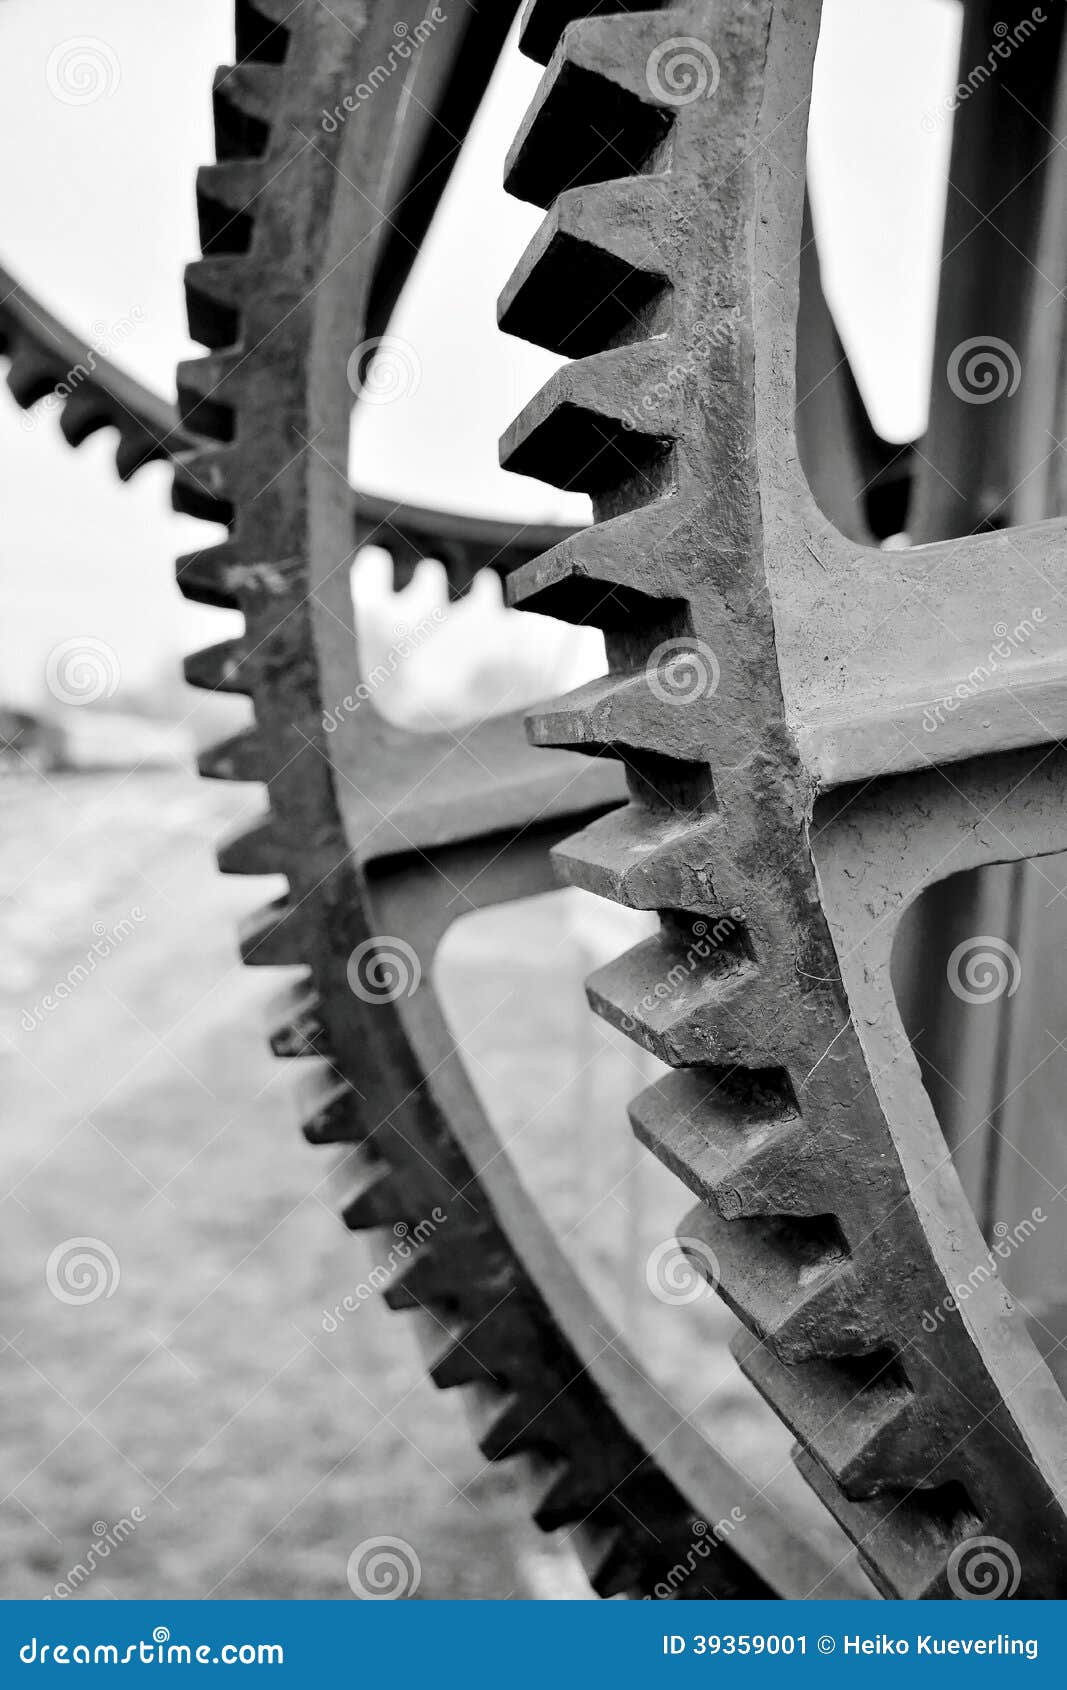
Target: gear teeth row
<point x="246" y="99"/>
<point x="208" y="396"/>
<point x="544" y="21"/>
<point x="253" y="850"/>
<point x="272" y="937"/>
<point x="858" y="1418"/>
<point x="602" y="289"/>
<point x="595" y="116"/>
<point x="300" y="1030"/>
<point x="225" y="196"/>
<point x="578" y="432"/>
<point x="214" y="291"/>
<point x="688" y="1009"/>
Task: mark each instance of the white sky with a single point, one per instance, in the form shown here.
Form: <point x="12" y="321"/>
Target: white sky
<point x="97" y="217"/>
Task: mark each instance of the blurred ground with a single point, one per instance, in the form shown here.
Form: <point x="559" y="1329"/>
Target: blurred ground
<point x="144" y="1112"/>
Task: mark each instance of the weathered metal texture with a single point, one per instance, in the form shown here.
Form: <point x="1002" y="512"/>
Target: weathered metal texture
<point x="369" y="824"/>
<point x="47" y="360"/>
<point x="797" y="1114"/>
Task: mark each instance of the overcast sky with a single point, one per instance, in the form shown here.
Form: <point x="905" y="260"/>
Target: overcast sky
<point x="97" y="218"/>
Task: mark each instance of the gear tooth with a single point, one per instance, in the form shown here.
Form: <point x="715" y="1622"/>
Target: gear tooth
<point x="570" y="1495"/>
<point x="611" y="1564"/>
<point x="643" y="859"/>
<point x="224" y="667"/>
<point x="582" y="433"/>
<point x="611" y="576"/>
<point x="259" y="30"/>
<point x="789" y="1278"/>
<point x="426" y="1281"/>
<point x="686" y="1011"/>
<point x="857" y="1418"/>
<point x="138" y="447"/>
<point x="904" y="1542"/>
<point x="734" y="1136"/>
<point x="204" y="576"/>
<point x="226" y="196"/>
<point x="375" y="1204"/>
<point x="208" y="395"/>
<point x="592" y="275"/>
<point x="300" y="1031"/>
<point x="83" y="414"/>
<point x="271" y="937"/>
<point x="215" y="289"/>
<point x="460" y="1364"/>
<point x="595" y="116"/>
<point x="624" y="709"/>
<point x="245" y="99"/>
<point x="32" y="375"/>
<point x="202" y="481"/>
<point x="241" y="757"/>
<point x="252" y="850"/>
<point x="330" y="1111"/>
<point x="543" y="21"/>
<point x="506" y="1428"/>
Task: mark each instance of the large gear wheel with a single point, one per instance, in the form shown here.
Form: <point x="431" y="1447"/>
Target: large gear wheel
<point x="778" y="787"/>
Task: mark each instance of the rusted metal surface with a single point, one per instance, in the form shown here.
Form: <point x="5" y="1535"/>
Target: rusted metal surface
<point x="381" y="832"/>
<point x="768" y="676"/>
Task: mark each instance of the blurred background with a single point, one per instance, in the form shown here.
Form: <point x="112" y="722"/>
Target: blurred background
<point x="142" y="1108"/>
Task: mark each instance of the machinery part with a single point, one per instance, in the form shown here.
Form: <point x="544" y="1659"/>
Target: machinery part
<point x="769" y="677"/>
<point x="48" y="360"/>
<point x="366" y="820"/>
